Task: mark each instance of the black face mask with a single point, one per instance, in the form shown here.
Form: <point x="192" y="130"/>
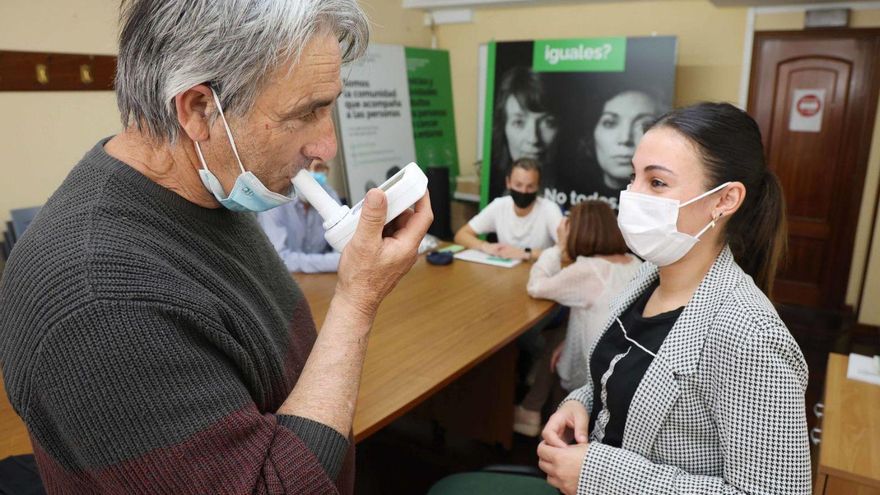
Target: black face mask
<point x="523" y="200"/>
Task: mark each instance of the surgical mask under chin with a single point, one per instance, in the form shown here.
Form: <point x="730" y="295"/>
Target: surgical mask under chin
<point x="649" y="225"/>
<point x="248" y="193"/>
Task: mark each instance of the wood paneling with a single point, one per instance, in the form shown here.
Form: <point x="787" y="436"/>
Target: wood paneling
<point x="33" y="71"/>
<point x="822" y="173"/>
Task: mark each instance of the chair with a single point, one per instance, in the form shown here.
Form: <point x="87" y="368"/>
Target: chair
<point x="15" y="227"/>
<point x="495" y="480"/>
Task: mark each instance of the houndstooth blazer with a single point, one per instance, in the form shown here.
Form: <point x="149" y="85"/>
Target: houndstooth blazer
<point x="721" y="407"/>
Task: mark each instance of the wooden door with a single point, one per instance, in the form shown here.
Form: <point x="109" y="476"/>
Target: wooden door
<point x="814" y="95"/>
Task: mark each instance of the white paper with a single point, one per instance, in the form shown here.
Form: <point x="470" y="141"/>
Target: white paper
<point x="488" y="259"/>
<point x="863" y="369"/>
<point x="375" y="120"/>
<point x="807" y="108"/>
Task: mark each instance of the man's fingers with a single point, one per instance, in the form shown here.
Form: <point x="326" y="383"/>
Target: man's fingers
<point x="373" y="212"/>
<point x="402" y="219"/>
<point x="418" y="223"/>
<point x="398" y="223"/>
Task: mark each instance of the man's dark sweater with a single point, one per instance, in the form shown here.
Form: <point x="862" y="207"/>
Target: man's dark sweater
<point x="147" y="343"/>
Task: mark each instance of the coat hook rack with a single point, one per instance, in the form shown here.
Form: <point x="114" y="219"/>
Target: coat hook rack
<point x="40" y="71"/>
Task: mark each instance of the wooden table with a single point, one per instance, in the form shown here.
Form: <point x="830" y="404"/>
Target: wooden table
<point x="437" y="324"/>
<point x="849" y="452"/>
<point x="14" y="438"/>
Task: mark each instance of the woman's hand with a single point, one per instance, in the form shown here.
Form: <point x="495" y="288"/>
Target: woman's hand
<point x="568" y="423"/>
<point x="562" y="231"/>
<point x="562" y="465"/>
<point x="557" y="354"/>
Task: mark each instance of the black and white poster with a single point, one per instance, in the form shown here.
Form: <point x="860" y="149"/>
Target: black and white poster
<point x="578" y="106"/>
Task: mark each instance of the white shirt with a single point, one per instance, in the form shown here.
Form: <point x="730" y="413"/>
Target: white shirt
<point x="587" y="287"/>
<point x="537" y="230"/>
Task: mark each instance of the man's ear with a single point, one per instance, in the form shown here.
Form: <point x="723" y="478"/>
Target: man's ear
<point x="730" y="199"/>
<point x="193" y="107"/>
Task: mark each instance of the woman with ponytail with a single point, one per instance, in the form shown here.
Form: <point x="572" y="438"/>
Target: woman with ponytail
<point x="696" y="385"/>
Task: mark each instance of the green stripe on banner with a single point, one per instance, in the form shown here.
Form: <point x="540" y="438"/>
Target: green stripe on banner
<point x="487" y="125"/>
<point x="433" y="119"/>
<point x="580" y="55"/>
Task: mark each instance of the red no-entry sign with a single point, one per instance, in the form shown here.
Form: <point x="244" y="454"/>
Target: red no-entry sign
<point x="809" y="105"/>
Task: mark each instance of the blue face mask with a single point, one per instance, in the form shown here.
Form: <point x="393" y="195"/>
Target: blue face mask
<point x="248" y="193"/>
<point x="320" y="177"/>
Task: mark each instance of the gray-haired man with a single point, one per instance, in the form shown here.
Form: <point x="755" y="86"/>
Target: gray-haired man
<point x="150" y="336"/>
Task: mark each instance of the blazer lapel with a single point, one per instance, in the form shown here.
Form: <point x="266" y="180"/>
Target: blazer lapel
<point x="678" y="356"/>
<point x="654" y="397"/>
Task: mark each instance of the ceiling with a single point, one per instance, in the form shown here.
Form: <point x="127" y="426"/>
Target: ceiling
<point x="444" y="4"/>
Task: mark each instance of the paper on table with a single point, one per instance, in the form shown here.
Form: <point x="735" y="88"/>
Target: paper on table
<point x="488" y="259"/>
<point x="863" y="369"/>
<point x="452" y="248"/>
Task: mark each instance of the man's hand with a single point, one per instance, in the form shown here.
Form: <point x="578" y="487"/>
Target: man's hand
<point x="562" y="465"/>
<point x="491" y="248"/>
<point x="511" y="252"/>
<point x="568" y="423"/>
<point x="378" y="256"/>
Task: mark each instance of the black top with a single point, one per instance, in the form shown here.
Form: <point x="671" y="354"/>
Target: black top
<point x="629" y="370"/>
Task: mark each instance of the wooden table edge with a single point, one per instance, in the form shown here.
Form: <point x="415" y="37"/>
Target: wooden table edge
<point x="367" y="432"/>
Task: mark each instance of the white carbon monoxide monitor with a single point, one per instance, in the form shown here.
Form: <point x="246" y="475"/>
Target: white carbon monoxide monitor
<point x="403" y="190"/>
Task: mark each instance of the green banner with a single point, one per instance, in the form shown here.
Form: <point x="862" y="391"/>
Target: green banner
<point x="433" y="119"/>
<point x="486" y="168"/>
<point x="580" y="55"/>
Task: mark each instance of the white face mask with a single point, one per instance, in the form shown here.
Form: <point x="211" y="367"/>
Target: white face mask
<point x="649" y="225"/>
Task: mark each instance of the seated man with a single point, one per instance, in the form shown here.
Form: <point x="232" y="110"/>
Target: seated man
<point x="296" y="232"/>
<point x="525" y="224"/>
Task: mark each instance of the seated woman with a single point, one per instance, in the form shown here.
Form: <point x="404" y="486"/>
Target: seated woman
<point x="696" y="385"/>
<point x="587" y="267"/>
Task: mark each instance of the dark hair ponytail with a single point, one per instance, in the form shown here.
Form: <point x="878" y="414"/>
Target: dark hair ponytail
<point x="729" y="141"/>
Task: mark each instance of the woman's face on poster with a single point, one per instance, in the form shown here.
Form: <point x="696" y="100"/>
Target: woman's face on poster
<point x="528" y="133"/>
<point x="623" y="122"/>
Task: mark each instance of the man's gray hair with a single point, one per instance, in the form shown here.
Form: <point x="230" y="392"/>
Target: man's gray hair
<point x="169" y="46"/>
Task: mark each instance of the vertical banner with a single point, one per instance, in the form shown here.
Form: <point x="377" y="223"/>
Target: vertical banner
<point x="375" y="119"/>
<point x="578" y="106"/>
<point x="433" y="120"/>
